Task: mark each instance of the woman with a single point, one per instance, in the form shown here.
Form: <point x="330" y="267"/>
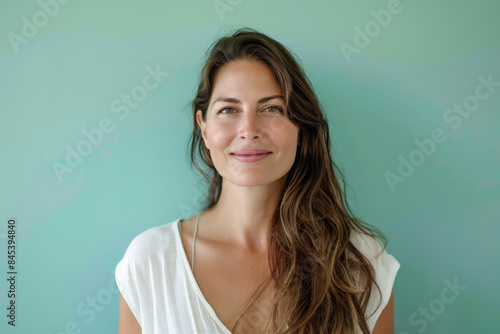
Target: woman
<point x="277" y="249"/>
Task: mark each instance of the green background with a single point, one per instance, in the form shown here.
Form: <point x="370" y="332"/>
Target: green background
<point x="442" y="221"/>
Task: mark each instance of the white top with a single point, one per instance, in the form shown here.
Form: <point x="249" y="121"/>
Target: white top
<point x="155" y="279"/>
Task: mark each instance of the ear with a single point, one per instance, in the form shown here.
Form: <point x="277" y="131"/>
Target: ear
<point x="202" y="125"/>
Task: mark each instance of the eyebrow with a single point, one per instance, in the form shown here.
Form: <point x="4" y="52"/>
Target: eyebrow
<point x="235" y="100"/>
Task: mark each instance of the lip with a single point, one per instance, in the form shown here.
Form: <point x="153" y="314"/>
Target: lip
<point x="250" y="155"/>
<point x="250" y="151"/>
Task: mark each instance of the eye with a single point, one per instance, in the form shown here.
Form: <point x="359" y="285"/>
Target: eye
<point x="274" y="109"/>
<point x="223" y="111"/>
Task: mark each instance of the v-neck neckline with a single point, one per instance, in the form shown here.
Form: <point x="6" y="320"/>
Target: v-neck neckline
<point x="190" y="274"/>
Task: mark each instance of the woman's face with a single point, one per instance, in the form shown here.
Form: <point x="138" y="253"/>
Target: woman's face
<point x="251" y="140"/>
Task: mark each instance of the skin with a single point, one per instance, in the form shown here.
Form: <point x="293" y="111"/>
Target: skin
<point x="250" y="191"/>
<point x="385" y="322"/>
<point x="129" y="325"/>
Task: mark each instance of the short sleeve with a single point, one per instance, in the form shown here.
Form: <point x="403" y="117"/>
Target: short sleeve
<point x="122" y="277"/>
<point x="385" y="266"/>
<point x="130" y="275"/>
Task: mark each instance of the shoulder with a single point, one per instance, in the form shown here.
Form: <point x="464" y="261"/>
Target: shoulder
<point x="152" y="242"/>
<point x="385" y="268"/>
<point x="368" y="245"/>
<point x="384" y="263"/>
<point x="141" y="271"/>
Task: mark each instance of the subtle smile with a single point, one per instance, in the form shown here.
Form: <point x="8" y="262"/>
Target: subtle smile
<point x="249" y="156"/>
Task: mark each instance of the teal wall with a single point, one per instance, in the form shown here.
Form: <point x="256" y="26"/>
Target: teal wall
<point x="65" y="72"/>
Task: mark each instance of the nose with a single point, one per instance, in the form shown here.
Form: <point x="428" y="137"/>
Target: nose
<point x="250" y="126"/>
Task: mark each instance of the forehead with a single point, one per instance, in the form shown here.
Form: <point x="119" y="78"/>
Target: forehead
<point x="245" y="79"/>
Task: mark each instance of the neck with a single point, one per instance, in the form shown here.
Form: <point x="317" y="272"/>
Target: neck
<point x="243" y="215"/>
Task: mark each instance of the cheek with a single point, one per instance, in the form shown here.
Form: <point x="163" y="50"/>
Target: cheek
<point x="285" y="133"/>
<point x="219" y="136"/>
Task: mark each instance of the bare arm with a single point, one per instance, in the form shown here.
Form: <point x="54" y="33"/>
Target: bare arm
<point x="127" y="323"/>
<point x="385" y="322"/>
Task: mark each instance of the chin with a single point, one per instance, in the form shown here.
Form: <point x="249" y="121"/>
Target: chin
<point x="249" y="182"/>
<point x="255" y="181"/>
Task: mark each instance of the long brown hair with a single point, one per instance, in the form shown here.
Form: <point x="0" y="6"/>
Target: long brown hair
<point x="323" y="282"/>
